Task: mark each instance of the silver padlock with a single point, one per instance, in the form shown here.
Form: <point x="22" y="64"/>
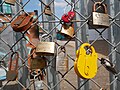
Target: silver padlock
<point x="39" y="85"/>
<point x="62" y="62"/>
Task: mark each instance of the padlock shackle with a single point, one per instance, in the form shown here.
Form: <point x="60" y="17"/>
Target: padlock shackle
<point x="60" y="47"/>
<point x="88" y="45"/>
<point x="11" y="60"/>
<point x="100" y="4"/>
<point x="32" y="52"/>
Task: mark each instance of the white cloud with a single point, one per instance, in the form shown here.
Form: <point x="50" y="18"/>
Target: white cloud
<point x="60" y="4"/>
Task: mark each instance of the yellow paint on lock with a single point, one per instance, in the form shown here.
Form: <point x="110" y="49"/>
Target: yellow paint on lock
<point x="85" y="64"/>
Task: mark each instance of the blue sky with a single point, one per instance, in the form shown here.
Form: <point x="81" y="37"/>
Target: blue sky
<point x="36" y="5"/>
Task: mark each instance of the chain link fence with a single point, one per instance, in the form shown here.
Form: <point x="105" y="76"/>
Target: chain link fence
<point x="58" y="73"/>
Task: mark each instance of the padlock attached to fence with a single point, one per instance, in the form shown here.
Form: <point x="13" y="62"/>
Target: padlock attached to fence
<point x="11" y="2"/>
<point x="37" y="62"/>
<point x="47" y="10"/>
<point x="85" y="64"/>
<point x="67" y="17"/>
<point x="22" y="22"/>
<point x="45" y="48"/>
<point x="100" y="18"/>
<point x="67" y="30"/>
<point x="12" y="73"/>
<point x="62" y="63"/>
<point x="2" y="24"/>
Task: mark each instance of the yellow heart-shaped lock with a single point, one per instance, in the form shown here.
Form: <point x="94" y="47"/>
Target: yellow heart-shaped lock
<point x="85" y="64"/>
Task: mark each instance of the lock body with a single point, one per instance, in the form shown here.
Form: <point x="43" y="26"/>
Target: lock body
<point x="62" y="65"/>
<point x="85" y="64"/>
<point x="11" y="75"/>
<point x="45" y="49"/>
<point x="22" y="22"/>
<point x="47" y="11"/>
<point x="38" y="63"/>
<point x="100" y="19"/>
<point x="11" y="2"/>
<point x="66" y="18"/>
<point x="67" y="30"/>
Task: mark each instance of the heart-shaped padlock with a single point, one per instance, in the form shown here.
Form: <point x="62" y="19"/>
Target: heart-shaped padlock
<point x="12" y="74"/>
<point x="67" y="17"/>
<point x="85" y="64"/>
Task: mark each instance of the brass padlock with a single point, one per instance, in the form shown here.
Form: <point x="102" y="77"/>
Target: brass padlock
<point x="45" y="49"/>
<point x="62" y="63"/>
<point x="67" y="30"/>
<point x="99" y="19"/>
<point x="85" y="64"/>
<point x="12" y="74"/>
<point x="11" y="2"/>
<point x="47" y="10"/>
<point x="37" y="62"/>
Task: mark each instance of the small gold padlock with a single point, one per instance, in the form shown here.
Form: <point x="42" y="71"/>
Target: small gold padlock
<point x="99" y="19"/>
<point x="45" y="49"/>
<point x="62" y="63"/>
<point x="11" y="2"/>
<point x="67" y="30"/>
<point x="47" y="10"/>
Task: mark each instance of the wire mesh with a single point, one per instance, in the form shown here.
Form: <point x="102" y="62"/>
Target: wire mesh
<point x="58" y="74"/>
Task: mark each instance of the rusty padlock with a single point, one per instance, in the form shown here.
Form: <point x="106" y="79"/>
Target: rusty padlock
<point x="11" y="2"/>
<point x="2" y="24"/>
<point x="37" y="62"/>
<point x="100" y="18"/>
<point x="22" y="22"/>
<point x="12" y="74"/>
<point x="62" y="63"/>
<point x="45" y="48"/>
<point x="47" y="10"/>
<point x="67" y="30"/>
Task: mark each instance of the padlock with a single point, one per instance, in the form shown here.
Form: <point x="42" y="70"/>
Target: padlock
<point x="39" y="84"/>
<point x="85" y="64"/>
<point x="99" y="19"/>
<point x="67" y="17"/>
<point x="45" y="48"/>
<point x="62" y="63"/>
<point x="3" y="22"/>
<point x="2" y="25"/>
<point x="37" y="62"/>
<point x="11" y="2"/>
<point x="12" y="74"/>
<point x="67" y="30"/>
<point x="47" y="10"/>
<point x="22" y="22"/>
